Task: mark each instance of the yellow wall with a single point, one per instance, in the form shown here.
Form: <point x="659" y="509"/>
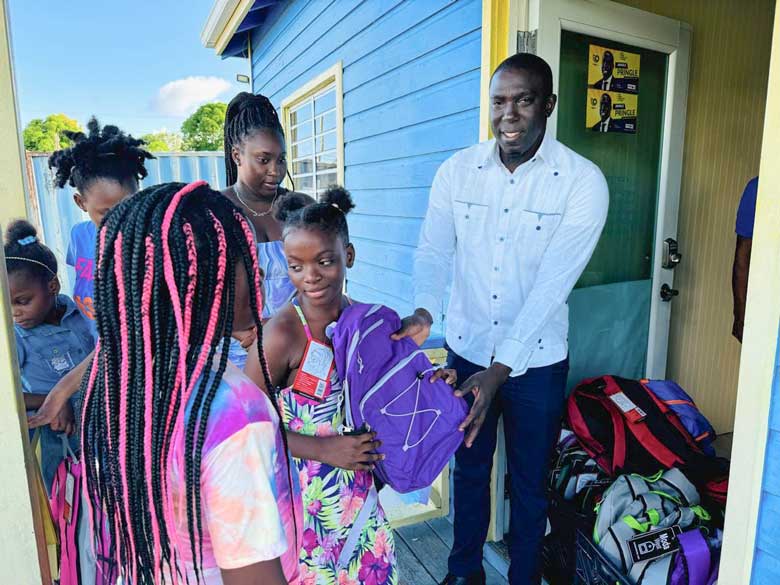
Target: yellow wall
<point x="23" y="557"/>
<point x="496" y="41"/>
<point x="746" y="510"/>
<point x="730" y="51"/>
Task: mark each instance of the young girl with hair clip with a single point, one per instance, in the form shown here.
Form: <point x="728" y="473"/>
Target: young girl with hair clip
<point x="255" y="166"/>
<point x="52" y="336"/>
<point x="339" y="545"/>
<point x="182" y="452"/>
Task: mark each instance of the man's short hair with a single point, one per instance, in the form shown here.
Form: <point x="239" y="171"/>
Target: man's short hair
<point x="532" y="63"/>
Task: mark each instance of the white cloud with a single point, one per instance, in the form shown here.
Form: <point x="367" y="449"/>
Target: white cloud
<point x="181" y="97"/>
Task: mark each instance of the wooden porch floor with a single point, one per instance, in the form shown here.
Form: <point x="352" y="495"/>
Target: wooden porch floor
<point x="422" y="551"/>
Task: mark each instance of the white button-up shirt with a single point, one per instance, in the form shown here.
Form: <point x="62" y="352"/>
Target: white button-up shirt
<point x="519" y="242"/>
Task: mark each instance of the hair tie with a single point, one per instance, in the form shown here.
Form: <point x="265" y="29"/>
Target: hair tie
<point x="27" y="241"/>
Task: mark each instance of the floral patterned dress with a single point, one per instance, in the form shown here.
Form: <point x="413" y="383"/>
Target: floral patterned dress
<point x="332" y="500"/>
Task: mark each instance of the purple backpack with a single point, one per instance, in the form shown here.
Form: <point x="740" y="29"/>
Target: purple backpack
<point x="695" y="563"/>
<point x="683" y="406"/>
<point x="387" y="390"/>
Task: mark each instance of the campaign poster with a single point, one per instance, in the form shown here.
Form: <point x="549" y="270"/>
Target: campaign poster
<point x="613" y="89"/>
<point x="611" y="111"/>
<point x="613" y="70"/>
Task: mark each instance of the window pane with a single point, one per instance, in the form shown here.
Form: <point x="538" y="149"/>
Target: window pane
<point x="326" y="141"/>
<point x="305" y="184"/>
<point x="325" y="102"/>
<point x="300" y="132"/>
<point x="326" y="122"/>
<point x="326" y="161"/>
<point x="326" y="180"/>
<point x="301" y="167"/>
<point x="300" y="114"/>
<point x="302" y="149"/>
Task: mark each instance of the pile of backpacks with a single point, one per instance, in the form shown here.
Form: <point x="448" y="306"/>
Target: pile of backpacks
<point x="637" y="495"/>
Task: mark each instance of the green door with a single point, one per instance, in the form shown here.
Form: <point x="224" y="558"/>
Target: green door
<point x="610" y="306"/>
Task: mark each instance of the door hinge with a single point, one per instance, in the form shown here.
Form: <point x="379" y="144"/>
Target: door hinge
<point x="526" y="41"/>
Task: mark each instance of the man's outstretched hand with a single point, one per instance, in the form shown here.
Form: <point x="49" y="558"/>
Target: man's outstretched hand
<point x="417" y="326"/>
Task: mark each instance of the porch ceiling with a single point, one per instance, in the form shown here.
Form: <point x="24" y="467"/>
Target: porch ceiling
<point x="229" y="20"/>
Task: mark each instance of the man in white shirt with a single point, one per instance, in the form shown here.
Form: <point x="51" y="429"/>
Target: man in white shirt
<point x="519" y="217"/>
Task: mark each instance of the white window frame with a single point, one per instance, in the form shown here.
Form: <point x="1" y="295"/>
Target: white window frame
<point x="331" y="79"/>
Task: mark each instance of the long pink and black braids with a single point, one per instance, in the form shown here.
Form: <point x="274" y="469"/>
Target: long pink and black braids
<point x="165" y="294"/>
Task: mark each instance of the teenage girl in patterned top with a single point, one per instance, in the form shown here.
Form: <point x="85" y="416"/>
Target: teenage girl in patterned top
<point x="334" y="469"/>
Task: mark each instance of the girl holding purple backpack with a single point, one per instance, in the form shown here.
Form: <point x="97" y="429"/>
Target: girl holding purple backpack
<point x="347" y="538"/>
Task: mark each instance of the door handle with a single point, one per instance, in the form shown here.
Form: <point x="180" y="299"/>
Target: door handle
<point x="668" y="293"/>
<point x="671" y="256"/>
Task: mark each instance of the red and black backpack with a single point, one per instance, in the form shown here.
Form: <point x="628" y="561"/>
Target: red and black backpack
<point x="627" y="429"/>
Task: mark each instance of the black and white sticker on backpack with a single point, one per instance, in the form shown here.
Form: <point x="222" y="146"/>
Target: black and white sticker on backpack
<point x="654" y="544"/>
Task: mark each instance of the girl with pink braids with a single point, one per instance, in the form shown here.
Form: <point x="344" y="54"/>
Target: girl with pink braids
<point x="182" y="452"/>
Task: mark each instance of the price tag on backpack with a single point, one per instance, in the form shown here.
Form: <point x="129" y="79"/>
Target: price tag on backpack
<point x="70" y="488"/>
<point x="654" y="544"/>
<point x="627" y="407"/>
<point x="313" y="377"/>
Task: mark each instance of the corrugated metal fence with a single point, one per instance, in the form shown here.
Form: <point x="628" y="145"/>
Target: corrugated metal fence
<point x="56" y="213"/>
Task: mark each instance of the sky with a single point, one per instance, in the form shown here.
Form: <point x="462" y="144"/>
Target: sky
<point x="138" y="64"/>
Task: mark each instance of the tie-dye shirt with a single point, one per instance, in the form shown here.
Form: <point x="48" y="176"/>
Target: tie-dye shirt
<point x="247" y="501"/>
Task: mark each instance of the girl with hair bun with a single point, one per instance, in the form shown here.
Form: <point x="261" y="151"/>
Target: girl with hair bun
<point x="334" y="470"/>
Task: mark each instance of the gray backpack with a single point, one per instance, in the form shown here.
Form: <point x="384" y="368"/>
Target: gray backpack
<point x="635" y="506"/>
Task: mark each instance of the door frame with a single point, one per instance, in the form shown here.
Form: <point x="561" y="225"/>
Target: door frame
<point x="609" y="20"/>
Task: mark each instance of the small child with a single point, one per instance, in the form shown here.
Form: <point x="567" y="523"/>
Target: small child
<point x="105" y="166"/>
<point x="52" y="336"/>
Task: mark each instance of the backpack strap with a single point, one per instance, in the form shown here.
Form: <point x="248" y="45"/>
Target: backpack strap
<point x="696" y="556"/>
<point x="611" y="461"/>
<point x="653" y="519"/>
<point x="357" y="528"/>
<point x="642" y="432"/>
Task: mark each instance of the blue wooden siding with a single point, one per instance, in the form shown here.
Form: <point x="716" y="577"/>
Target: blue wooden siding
<point x="411" y="99"/>
<point x="766" y="567"/>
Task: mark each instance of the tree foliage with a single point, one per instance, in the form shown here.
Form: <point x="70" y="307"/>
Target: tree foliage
<point x="163" y="141"/>
<point x="203" y="130"/>
<point x="48" y="135"/>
